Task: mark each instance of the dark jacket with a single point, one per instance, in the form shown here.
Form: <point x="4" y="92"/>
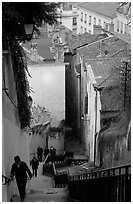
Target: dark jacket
<point x="20" y="172"/>
<point x="34" y="164"/>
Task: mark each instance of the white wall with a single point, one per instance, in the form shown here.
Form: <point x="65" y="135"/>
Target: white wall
<point x="48" y="84"/>
<point x="14" y="140"/>
<point x="92" y="14"/>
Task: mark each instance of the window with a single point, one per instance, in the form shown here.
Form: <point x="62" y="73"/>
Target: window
<point x="85" y="18"/>
<point x="117" y="26"/>
<point x="74" y="21"/>
<point x="89" y="20"/>
<point x="104" y="25"/>
<point x="81" y="16"/>
<point x="86" y="104"/>
<point x="121" y="27"/>
<point x="90" y="31"/>
<point x="81" y="29"/>
<point x="85" y="30"/>
<point x="99" y="22"/>
<point x="125" y="31"/>
<point x="94" y="21"/>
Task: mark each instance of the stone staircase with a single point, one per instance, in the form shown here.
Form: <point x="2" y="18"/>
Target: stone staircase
<point x="41" y="189"/>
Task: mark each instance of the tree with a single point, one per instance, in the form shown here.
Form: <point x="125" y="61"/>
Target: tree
<point x="14" y="16"/>
<point x="39" y="114"/>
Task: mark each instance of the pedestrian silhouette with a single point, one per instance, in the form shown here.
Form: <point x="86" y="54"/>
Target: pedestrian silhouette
<point x="34" y="163"/>
<point x="20" y="169"/>
<point x="46" y="151"/>
<point x="39" y="153"/>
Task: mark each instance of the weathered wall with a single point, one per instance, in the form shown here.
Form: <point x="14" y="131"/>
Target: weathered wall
<point x="48" y="84"/>
<point x="14" y="140"/>
<point x="114" y="144"/>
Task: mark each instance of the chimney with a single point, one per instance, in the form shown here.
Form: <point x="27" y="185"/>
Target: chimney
<point x="97" y="29"/>
<point x="111" y="27"/>
<point x="103" y="50"/>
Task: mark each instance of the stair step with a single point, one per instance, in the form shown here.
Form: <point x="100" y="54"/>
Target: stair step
<point x="46" y="195"/>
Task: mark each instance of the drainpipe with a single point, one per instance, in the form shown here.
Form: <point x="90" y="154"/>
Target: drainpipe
<point x="95" y="126"/>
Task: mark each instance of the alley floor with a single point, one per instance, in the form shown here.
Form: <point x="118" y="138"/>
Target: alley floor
<point x="41" y="189"/>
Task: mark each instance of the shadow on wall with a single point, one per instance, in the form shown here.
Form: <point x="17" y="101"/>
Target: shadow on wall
<point x="113" y="143"/>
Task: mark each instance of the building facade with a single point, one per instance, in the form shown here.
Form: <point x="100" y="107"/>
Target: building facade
<point x="15" y="141"/>
<point x="83" y="17"/>
<point x="82" y="103"/>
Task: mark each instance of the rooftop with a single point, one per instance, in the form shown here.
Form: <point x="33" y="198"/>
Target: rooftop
<point x="113" y="46"/>
<point x="125" y="9"/>
<point x="104" y="8"/>
<point x="43" y="47"/>
<point x="109" y="76"/>
<point x="84" y="39"/>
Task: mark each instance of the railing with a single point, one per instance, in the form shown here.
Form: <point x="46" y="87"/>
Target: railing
<point x="60" y="178"/>
<point x="5" y="180"/>
<point x="107" y="185"/>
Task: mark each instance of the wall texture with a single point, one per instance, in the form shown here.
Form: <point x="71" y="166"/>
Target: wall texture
<point x="48" y="84"/>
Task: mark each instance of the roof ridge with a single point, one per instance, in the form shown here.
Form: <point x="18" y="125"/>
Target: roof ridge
<point x="88" y="44"/>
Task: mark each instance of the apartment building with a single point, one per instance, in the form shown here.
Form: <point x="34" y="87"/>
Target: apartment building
<point x="123" y="20"/>
<point x="96" y="13"/>
<point x="83" y="17"/>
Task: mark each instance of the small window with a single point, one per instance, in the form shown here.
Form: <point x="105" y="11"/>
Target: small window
<point x="81" y="16"/>
<point x="85" y="29"/>
<point x="125" y="30"/>
<point x="74" y="21"/>
<point x="94" y="21"/>
<point x="85" y="18"/>
<point x="121" y="27"/>
<point x="89" y="20"/>
<point x="99" y="22"/>
<point x="117" y="26"/>
<point x="86" y="104"/>
<point x="106" y="26"/>
<point x="81" y="29"/>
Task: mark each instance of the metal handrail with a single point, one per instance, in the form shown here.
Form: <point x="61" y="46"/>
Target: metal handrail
<point x="99" y="173"/>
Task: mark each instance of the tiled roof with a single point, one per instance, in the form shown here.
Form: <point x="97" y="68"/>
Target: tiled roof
<point x="86" y="38"/>
<point x="109" y="75"/>
<point x="103" y="70"/>
<point x="113" y="45"/>
<point x="125" y="9"/>
<point x="104" y="8"/>
<point x="43" y="47"/>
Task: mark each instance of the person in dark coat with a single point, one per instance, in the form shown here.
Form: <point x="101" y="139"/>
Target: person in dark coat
<point x="34" y="163"/>
<point x="20" y="169"/>
<point x="46" y="151"/>
<point x="39" y="153"/>
<point x="54" y="151"/>
<point x="51" y="150"/>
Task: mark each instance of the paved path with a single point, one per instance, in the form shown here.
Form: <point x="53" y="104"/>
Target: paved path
<point x="41" y="189"/>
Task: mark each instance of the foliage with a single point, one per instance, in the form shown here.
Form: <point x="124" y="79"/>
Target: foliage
<point x="39" y="114"/>
<point x="16" y="14"/>
<point x="22" y="85"/>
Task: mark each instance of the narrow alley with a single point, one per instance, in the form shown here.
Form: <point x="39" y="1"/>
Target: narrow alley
<point x="41" y="189"/>
<point x="66" y="101"/>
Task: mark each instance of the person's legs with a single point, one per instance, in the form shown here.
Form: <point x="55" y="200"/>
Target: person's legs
<point x="33" y="171"/>
<point x="21" y="187"/>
